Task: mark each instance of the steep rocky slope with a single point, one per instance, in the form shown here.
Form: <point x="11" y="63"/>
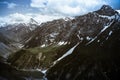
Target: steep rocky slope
<point x="95" y="61"/>
<point x="98" y="59"/>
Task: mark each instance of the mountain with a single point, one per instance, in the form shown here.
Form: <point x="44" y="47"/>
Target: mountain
<point x="4" y="47"/>
<point x="106" y="10"/>
<point x="13" y="36"/>
<point x="98" y="59"/>
<point x="86" y="47"/>
<point x="71" y="31"/>
<point x="19" y="30"/>
<point x="57" y="37"/>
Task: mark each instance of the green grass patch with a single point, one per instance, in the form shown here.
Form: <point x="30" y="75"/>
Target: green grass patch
<point x="48" y="55"/>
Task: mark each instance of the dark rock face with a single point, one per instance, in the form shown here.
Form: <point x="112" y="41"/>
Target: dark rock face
<point x="99" y="60"/>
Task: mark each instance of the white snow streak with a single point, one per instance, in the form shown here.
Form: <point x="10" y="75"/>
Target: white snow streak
<point x="88" y="38"/>
<point x="79" y="37"/>
<point x="42" y="45"/>
<point x="108" y="17"/>
<point x="106" y="27"/>
<point x="100" y="32"/>
<point x="110" y="33"/>
<point x="43" y="71"/>
<point x="62" y="43"/>
<point x="66" y="54"/>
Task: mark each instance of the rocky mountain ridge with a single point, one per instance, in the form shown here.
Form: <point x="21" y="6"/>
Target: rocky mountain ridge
<point x="86" y="47"/>
<point x="51" y="37"/>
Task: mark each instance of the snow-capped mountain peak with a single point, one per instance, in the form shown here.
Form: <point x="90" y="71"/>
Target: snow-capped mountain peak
<point x="32" y="21"/>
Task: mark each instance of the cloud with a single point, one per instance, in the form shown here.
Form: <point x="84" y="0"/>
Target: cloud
<point x="118" y="11"/>
<point x="14" y="18"/>
<point x="10" y="5"/>
<point x="25" y="18"/>
<point x="67" y="7"/>
<point x="38" y="3"/>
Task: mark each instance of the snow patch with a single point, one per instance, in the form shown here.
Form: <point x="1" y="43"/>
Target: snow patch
<point x="116" y="16"/>
<point x="79" y="37"/>
<point x="43" y="45"/>
<point x="20" y="45"/>
<point x="97" y="20"/>
<point x="43" y="71"/>
<point x="79" y="31"/>
<point x="66" y="54"/>
<point x="109" y="17"/>
<point x="98" y="40"/>
<point x="68" y="18"/>
<point x="62" y="43"/>
<point x="29" y="39"/>
<point x="107" y="38"/>
<point x="118" y="11"/>
<point x="105" y="27"/>
<point x="53" y="34"/>
<point x="110" y="33"/>
<point x="51" y="40"/>
<point x="88" y="38"/>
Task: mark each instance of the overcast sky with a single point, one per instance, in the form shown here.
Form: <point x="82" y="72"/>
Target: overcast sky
<point x="49" y="9"/>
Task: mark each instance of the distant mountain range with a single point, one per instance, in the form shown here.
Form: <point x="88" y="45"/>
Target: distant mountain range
<point x="14" y="35"/>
